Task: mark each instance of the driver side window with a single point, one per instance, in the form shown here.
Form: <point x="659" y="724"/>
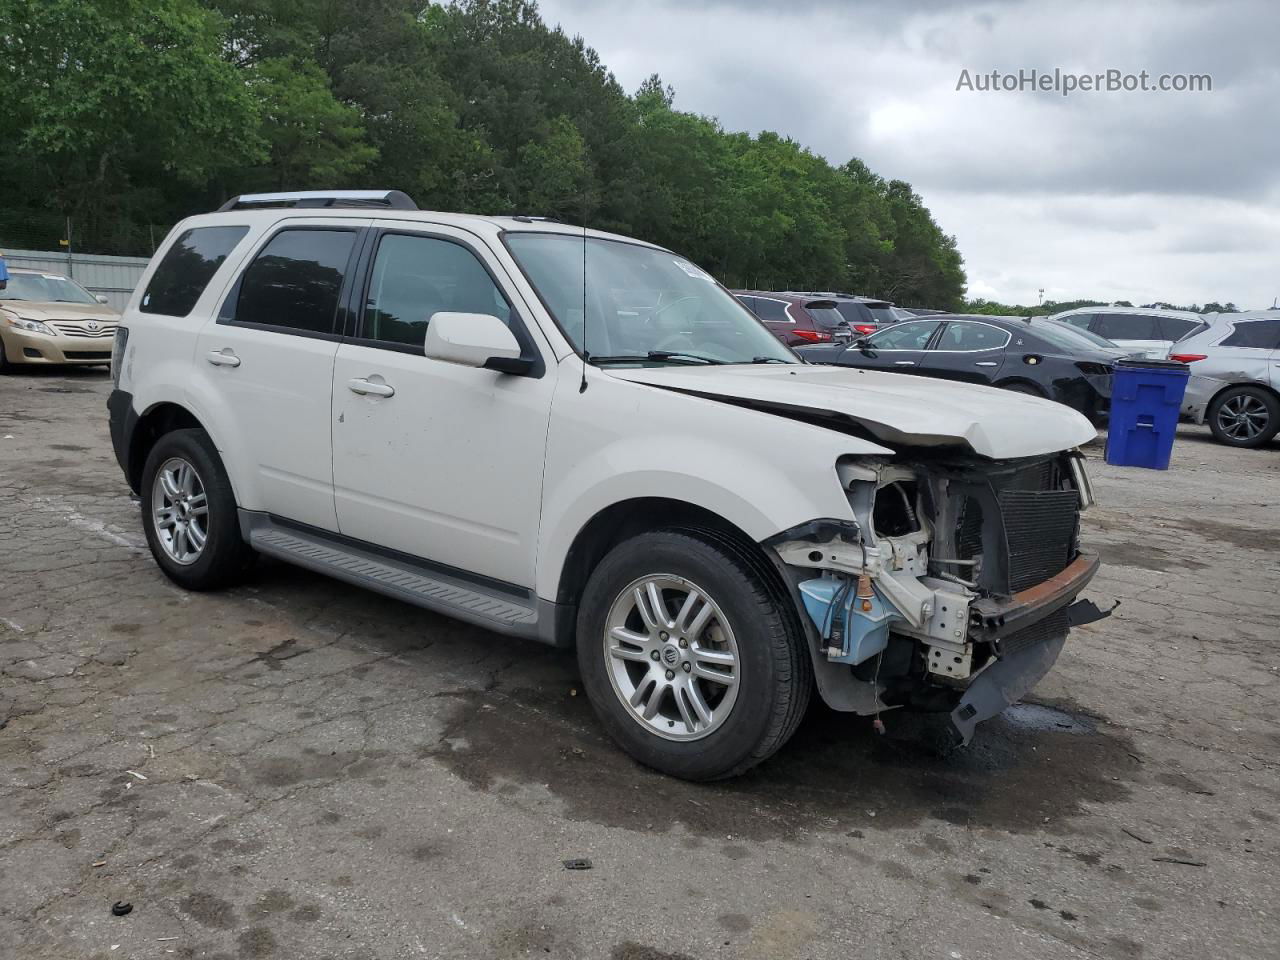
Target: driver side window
<point x="415" y="277"/>
<point x="904" y="336"/>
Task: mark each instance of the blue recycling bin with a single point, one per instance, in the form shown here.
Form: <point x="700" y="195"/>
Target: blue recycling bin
<point x="1146" y="398"/>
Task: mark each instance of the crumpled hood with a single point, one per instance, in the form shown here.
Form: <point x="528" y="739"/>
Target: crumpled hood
<point x="895" y="407"/>
<point x="43" y="310"/>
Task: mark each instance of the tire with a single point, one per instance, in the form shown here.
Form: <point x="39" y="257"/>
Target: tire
<point x="1244" y="417"/>
<point x="222" y="557"/>
<point x="5" y="365"/>
<point x="748" y="620"/>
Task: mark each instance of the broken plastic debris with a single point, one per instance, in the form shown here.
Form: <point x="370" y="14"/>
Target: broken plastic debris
<point x="120" y="909"/>
<point x="577" y="863"/>
<point x="134" y="773"/>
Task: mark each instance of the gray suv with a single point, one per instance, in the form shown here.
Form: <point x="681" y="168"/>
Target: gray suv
<point x="1235" y="377"/>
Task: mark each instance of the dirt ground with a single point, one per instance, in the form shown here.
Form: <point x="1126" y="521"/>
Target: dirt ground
<point x="298" y="769"/>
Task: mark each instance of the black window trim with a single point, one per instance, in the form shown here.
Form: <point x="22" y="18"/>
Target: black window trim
<point x="335" y="334"/>
<point x="359" y="299"/>
<point x="247" y="228"/>
<point x="1235" y="326"/>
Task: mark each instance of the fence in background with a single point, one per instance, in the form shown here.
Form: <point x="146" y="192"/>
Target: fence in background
<point x="113" y="277"/>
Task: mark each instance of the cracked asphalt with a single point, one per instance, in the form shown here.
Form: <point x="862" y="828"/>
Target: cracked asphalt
<point x="297" y="769"/>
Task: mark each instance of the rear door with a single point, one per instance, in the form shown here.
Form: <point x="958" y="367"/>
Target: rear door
<point x="269" y="355"/>
<point x="1251" y="351"/>
<point x="900" y="348"/>
<point x="967" y="350"/>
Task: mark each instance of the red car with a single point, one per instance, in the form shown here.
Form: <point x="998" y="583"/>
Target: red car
<point x="797" y="319"/>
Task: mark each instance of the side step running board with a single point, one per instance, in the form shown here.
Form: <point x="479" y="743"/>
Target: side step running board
<point x="418" y="583"/>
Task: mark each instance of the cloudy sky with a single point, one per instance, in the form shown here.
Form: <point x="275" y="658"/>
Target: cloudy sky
<point x="1110" y="195"/>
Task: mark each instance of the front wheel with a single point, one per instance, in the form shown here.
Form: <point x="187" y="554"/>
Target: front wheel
<point x="189" y="513"/>
<point x="1244" y="417"/>
<point x="694" y="663"/>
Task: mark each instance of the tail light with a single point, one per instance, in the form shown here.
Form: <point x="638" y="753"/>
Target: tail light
<point x="812" y="336"/>
<point x="1187" y="357"/>
<point x="866" y="329"/>
<point x="117" y="354"/>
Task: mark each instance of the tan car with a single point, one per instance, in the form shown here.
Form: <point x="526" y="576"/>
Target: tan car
<point x="48" y="318"/>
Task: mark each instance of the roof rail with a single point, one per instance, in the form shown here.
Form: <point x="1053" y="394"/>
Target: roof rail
<point x="392" y="199"/>
<point x="529" y="218"/>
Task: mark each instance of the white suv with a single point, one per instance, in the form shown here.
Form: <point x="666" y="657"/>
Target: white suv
<point x="439" y="408"/>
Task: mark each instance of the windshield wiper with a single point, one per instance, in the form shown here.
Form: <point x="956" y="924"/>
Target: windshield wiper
<point x="769" y="360"/>
<point x="675" y="355"/>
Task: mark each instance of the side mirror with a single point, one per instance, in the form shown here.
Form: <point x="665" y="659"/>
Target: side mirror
<point x="101" y="298"/>
<point x="860" y="343"/>
<point x="474" y="340"/>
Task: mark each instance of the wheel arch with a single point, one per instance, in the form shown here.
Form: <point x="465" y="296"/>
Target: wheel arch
<point x="1007" y="382"/>
<point x="620" y="521"/>
<point x="158" y="419"/>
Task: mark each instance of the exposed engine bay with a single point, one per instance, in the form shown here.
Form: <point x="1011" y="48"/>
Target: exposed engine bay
<point x="953" y="569"/>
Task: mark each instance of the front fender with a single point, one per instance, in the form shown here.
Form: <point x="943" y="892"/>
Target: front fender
<point x="622" y="441"/>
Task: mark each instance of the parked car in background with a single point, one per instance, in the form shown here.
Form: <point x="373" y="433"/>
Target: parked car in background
<point x="46" y="318"/>
<point x="1033" y="356"/>
<point x="1235" y="377"/>
<point x="405" y="400"/>
<point x="860" y="311"/>
<point x="1139" y="330"/>
<point x="797" y="318"/>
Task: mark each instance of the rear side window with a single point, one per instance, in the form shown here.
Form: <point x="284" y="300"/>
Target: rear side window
<point x="414" y="278"/>
<point x="748" y="302"/>
<point x="1261" y="334"/>
<point x="972" y="336"/>
<point x="1127" y="326"/>
<point x="295" y="280"/>
<point x="187" y="268"/>
<point x="1175" y="328"/>
<point x="772" y="310"/>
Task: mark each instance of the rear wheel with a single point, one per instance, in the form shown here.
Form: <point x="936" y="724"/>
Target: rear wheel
<point x="693" y="663"/>
<point x="1244" y="417"/>
<point x="189" y="513"/>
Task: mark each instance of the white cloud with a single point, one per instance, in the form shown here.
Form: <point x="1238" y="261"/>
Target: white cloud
<point x="1133" y="196"/>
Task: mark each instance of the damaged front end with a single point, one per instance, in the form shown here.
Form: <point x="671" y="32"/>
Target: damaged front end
<point x="952" y="587"/>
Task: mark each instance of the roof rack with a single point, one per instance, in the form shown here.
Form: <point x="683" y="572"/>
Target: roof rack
<point x="529" y="218"/>
<point x="392" y="199"/>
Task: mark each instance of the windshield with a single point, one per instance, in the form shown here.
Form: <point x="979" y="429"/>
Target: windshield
<point x="45" y="288"/>
<point x="642" y="305"/>
<point x="1063" y="335"/>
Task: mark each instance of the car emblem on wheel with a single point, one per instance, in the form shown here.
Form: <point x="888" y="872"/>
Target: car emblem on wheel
<point x="670" y="655"/>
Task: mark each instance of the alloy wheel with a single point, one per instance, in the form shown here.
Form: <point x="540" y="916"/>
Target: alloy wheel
<point x="1243" y="417"/>
<point x="671" y="657"/>
<point x="180" y="511"/>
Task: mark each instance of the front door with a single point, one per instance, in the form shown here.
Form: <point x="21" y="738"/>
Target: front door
<point x="899" y="348"/>
<point x="434" y="459"/>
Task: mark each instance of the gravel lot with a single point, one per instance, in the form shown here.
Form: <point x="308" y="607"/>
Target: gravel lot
<point x="298" y="769"/>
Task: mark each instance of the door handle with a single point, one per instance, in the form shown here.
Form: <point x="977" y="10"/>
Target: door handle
<point x="225" y="357"/>
<point x="904" y="363"/>
<point x="987" y="363"/>
<point x="369" y="388"/>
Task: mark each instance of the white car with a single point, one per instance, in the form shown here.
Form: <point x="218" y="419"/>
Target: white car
<point x="437" y="407"/>
<point x="1140" y="331"/>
